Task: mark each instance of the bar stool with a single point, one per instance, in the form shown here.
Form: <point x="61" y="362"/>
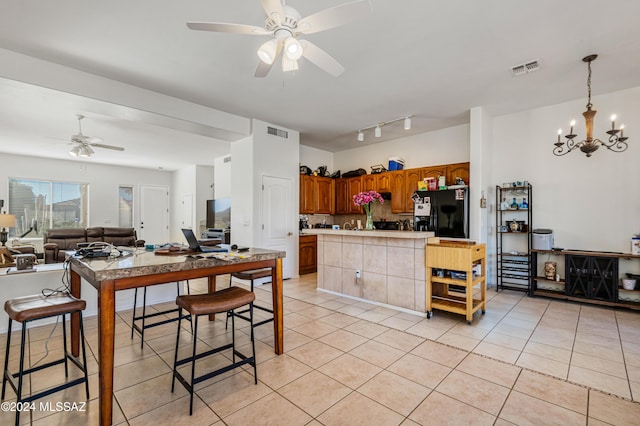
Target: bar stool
<point x="30" y="308"/>
<point x="197" y="305"/>
<point x="144" y="316"/>
<point x="252" y="274"/>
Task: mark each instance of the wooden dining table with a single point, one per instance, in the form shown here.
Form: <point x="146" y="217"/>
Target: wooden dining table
<point x="139" y="268"/>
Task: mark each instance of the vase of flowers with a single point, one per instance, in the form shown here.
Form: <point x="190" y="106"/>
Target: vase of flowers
<point x="366" y="199"/>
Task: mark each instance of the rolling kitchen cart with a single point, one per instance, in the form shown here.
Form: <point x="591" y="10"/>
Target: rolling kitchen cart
<point x="451" y="279"/>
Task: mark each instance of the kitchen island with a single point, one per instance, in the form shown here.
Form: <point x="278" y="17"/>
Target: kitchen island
<point x="391" y="265"/>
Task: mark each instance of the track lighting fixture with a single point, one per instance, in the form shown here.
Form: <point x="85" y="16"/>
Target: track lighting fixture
<point x="378" y="127"/>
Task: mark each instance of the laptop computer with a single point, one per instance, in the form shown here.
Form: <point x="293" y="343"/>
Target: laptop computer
<point x="195" y="246"/>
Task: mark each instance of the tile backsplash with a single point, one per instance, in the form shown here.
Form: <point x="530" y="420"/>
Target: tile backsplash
<point x="380" y="212"/>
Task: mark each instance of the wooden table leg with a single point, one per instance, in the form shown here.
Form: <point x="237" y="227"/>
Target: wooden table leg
<point x="276" y="292"/>
<point x="75" y="317"/>
<point x="106" y="335"/>
<point x="211" y="282"/>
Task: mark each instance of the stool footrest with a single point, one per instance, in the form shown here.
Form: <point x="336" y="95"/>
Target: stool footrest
<point x="53" y="390"/>
<point x="139" y="329"/>
<point x="204" y="354"/>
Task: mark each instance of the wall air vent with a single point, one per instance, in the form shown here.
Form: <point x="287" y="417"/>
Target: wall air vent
<point x="528" y="67"/>
<point x="227" y="159"/>
<point x="277" y="132"/>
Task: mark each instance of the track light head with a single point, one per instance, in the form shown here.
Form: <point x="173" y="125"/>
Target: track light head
<point x="360" y="136"/>
<point x="407" y="123"/>
<point x="378" y="131"/>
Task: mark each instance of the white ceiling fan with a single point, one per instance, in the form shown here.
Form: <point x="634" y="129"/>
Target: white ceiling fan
<point x="82" y="144"/>
<point x="285" y="25"/>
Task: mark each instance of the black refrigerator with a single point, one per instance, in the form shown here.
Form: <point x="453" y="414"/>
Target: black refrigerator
<point x="445" y="212"/>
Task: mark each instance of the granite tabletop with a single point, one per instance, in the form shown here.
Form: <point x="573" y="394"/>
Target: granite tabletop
<point x="138" y="262"/>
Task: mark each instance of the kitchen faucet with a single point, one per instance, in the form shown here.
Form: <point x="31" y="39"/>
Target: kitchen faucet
<point x="346" y="225"/>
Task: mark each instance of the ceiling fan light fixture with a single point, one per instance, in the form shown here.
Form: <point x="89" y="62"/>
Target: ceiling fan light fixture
<point x="267" y="52"/>
<point x="75" y="151"/>
<point x="86" y="151"/>
<point x="289" y="64"/>
<point x="293" y="48"/>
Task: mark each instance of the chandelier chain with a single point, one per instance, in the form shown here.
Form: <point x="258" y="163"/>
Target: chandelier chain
<point x="589" y="105"/>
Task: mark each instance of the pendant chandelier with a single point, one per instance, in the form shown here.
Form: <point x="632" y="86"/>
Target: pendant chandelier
<point x="616" y="141"/>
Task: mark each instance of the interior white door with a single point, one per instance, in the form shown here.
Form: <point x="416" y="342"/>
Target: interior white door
<point x="277" y="223"/>
<point x="154" y="214"/>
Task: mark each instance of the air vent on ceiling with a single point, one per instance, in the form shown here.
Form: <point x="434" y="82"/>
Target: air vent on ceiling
<point x="227" y="159"/>
<point x="522" y="69"/>
<point x="277" y="132"/>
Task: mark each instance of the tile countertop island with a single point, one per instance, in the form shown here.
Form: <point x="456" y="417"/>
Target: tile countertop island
<point x="391" y="265"/>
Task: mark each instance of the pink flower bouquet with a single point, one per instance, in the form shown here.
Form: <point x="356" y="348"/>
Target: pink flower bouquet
<point x="366" y="198"/>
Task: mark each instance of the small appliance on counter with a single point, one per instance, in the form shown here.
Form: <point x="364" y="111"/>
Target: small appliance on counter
<point x="542" y="239"/>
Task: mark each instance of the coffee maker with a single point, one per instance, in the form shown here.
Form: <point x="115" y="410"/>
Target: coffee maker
<point x="303" y="222"/>
<point x="422" y="216"/>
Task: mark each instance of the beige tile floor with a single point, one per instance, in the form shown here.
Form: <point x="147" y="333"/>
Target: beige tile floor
<point x="527" y="361"/>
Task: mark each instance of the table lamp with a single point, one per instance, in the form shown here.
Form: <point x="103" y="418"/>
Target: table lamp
<point x="6" y="221"/>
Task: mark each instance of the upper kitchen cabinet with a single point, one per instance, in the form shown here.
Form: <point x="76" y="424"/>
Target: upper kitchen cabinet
<point x="355" y="187"/>
<point x="317" y="195"/>
<point x="370" y="183"/>
<point x="457" y="170"/>
<point x="397" y="189"/>
<point x="307" y="194"/>
<point x="324" y="195"/>
<point x="342" y="196"/>
<point x="384" y="182"/>
<point x="435" y="172"/>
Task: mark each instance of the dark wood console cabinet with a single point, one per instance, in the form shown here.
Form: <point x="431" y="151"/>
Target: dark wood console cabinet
<point x="590" y="277"/>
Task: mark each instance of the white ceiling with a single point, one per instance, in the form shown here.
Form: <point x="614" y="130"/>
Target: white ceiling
<point x="431" y="59"/>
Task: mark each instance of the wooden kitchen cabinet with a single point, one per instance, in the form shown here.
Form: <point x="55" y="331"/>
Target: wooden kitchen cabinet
<point x="369" y="183"/>
<point x="317" y="195"/>
<point x="435" y="172"/>
<point x="307" y="254"/>
<point x="412" y="177"/>
<point x="384" y="182"/>
<point x="342" y="196"/>
<point x="307" y="194"/>
<point x="355" y="187"/>
<point x="457" y="170"/>
<point x="397" y="189"/>
<point x="324" y="195"/>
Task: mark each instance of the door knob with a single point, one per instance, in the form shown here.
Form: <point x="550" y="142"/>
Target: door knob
<point x="289" y="233"/>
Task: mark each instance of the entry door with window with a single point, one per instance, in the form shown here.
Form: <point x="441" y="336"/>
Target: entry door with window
<point x="277" y="222"/>
<point x="154" y="214"/>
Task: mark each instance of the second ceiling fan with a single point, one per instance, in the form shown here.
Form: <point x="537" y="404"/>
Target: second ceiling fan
<point x="285" y="25"/>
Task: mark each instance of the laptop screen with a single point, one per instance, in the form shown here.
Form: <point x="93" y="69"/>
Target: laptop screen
<point x="191" y="239"/>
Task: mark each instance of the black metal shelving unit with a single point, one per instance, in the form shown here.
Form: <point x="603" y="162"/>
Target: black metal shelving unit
<point x="513" y="238"/>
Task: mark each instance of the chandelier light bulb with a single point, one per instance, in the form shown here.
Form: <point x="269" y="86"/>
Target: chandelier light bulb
<point x="360" y="136"/>
<point x="613" y="122"/>
<point x="267" y="52"/>
<point x="378" y="131"/>
<point x="293" y="48"/>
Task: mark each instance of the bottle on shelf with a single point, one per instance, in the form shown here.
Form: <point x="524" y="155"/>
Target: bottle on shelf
<point x="514" y="203"/>
<point x="524" y="204"/>
<point x="504" y="205"/>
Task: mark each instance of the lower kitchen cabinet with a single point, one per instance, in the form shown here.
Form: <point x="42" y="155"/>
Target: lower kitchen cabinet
<point x="308" y="254"/>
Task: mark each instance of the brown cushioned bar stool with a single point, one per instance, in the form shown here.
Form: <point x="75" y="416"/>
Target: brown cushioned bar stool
<point x="31" y="308"/>
<point x="226" y="300"/>
<point x="251" y="275"/>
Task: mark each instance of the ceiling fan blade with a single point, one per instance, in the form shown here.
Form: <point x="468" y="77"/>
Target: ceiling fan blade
<point x="100" y="145"/>
<point x="263" y="68"/>
<point x="91" y="140"/>
<point x="334" y="17"/>
<point x="273" y="9"/>
<point x="321" y="59"/>
<point x="227" y="28"/>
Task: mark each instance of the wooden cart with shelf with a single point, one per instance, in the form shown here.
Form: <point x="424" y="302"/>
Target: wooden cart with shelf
<point x="460" y="257"/>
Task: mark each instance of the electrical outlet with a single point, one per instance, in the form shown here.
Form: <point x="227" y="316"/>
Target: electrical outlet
<point x="358" y="274"/>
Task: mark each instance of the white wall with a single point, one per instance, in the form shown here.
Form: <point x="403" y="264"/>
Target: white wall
<point x="222" y="177"/>
<point x="314" y="158"/>
<point x="204" y="192"/>
<point x="103" y="182"/>
<point x="182" y="186"/>
<point x="590" y="203"/>
<point x="243" y="192"/>
<point x="444" y="146"/>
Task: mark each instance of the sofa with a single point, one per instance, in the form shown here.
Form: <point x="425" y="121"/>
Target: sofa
<point x="58" y="241"/>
